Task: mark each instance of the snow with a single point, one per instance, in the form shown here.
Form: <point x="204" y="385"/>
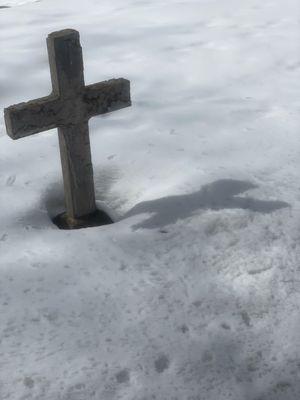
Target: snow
<point x="194" y="292"/>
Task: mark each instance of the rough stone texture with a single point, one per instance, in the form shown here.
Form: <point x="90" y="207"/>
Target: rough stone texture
<point x="69" y="108"/>
<point x="49" y="112"/>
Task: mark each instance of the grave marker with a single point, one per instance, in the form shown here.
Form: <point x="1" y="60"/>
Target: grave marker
<point x="68" y="108"/>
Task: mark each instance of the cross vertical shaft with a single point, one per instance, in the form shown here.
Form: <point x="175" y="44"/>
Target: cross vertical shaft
<point x="75" y="153"/>
<point x="66" y="67"/>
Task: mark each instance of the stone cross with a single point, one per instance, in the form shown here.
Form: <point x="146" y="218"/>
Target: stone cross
<point x="68" y="108"/>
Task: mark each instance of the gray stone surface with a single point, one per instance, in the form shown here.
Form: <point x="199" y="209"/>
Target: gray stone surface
<point x="69" y="108"/>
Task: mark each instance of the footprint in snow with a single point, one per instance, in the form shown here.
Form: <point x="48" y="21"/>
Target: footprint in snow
<point x="123" y="376"/>
<point x="161" y="363"/>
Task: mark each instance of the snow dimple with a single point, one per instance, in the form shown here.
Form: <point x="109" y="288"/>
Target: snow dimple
<point x="123" y="376"/>
<point x="259" y="270"/>
<point x="162" y="363"/>
<point x="3" y="237"/>
<point x="246" y="318"/>
<point x="28" y="382"/>
<point x="225" y="326"/>
<point x="10" y="180"/>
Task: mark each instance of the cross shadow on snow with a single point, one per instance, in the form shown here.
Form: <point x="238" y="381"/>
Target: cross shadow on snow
<point x="218" y="195"/>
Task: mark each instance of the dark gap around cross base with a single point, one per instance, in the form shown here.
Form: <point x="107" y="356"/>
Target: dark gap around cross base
<point x="97" y="218"/>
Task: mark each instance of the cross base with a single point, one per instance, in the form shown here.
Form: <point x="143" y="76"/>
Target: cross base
<point x="97" y="218"/>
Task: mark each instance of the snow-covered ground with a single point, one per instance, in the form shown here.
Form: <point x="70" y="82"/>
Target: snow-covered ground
<point x="194" y="293"/>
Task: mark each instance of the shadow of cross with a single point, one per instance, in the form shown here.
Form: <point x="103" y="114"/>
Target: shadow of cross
<point x="68" y="108"/>
<point x="218" y="195"/>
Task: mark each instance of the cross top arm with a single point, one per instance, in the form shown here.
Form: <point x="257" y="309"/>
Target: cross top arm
<point x="107" y="96"/>
<point x="71" y="102"/>
<point x="50" y="112"/>
<point x="35" y="116"/>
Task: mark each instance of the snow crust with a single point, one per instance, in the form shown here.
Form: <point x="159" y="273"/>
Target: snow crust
<point x="193" y="294"/>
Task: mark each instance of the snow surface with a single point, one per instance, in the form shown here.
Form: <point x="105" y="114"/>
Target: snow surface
<point x="194" y="293"/>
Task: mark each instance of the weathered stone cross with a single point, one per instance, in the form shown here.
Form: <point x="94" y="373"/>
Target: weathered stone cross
<point x="69" y="107"/>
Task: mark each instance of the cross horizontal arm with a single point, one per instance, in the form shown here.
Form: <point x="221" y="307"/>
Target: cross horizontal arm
<point x="106" y="96"/>
<point x="35" y="116"/>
